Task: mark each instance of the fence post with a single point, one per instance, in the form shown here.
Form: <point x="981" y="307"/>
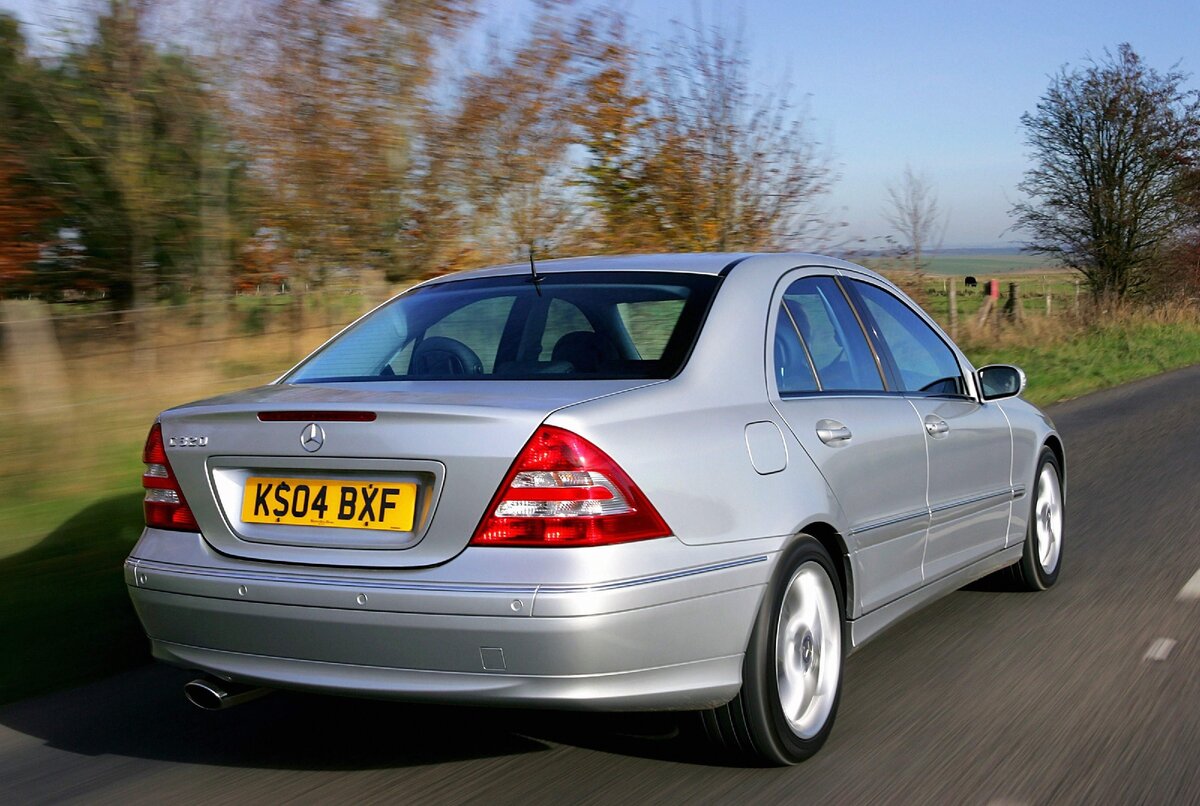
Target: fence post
<point x="1012" y="306"/>
<point x="991" y="294"/>
<point x="953" y="297"/>
<point x="34" y="358"/>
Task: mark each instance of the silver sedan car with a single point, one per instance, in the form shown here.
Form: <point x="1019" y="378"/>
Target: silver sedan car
<point x="676" y="482"/>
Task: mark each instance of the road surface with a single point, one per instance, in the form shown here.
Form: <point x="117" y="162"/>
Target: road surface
<point x="1088" y="693"/>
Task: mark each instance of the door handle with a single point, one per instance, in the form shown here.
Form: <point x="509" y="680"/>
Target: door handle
<point x="936" y="426"/>
<point x="831" y="432"/>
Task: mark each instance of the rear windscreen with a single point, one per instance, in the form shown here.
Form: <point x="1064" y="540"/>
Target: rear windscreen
<point x="567" y="326"/>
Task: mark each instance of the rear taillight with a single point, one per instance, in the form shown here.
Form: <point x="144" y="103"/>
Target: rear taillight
<point x="164" y="504"/>
<point x="564" y="491"/>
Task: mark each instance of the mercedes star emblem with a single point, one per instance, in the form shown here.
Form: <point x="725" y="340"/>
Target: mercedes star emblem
<point x="312" y="438"/>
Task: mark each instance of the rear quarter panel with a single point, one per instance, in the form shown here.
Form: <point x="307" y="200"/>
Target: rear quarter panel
<point x="684" y="441"/>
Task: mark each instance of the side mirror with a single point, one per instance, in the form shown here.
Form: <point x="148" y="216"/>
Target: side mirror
<point x="998" y="381"/>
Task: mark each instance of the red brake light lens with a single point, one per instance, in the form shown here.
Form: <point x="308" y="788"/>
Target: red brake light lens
<point x="564" y="491"/>
<point x="164" y="504"/>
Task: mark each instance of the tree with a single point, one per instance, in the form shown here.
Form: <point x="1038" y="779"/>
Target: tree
<point x="914" y="213"/>
<point x="332" y="100"/>
<point x="25" y="209"/>
<point x="1111" y="145"/>
<point x="510" y="131"/>
<point x="692" y="158"/>
<point x="112" y="130"/>
<point x="613" y="124"/>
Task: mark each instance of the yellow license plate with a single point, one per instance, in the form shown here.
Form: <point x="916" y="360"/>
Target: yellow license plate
<point x="382" y="505"/>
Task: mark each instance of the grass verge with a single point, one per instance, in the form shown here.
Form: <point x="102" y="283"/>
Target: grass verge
<point x="1100" y="356"/>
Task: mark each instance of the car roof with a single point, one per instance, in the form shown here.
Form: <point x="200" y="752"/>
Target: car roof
<point x="715" y="263"/>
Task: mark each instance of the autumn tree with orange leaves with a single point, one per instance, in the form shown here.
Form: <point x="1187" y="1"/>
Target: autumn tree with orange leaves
<point x="310" y="141"/>
<point x="24" y="214"/>
<point x="331" y="100"/>
<point x="25" y="208"/>
<point x="685" y="155"/>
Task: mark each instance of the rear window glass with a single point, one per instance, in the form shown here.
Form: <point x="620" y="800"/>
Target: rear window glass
<point x="580" y="325"/>
<point x="649" y="324"/>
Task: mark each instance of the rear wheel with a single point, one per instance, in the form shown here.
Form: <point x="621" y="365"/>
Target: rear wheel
<point x="1042" y="557"/>
<point x="792" y="674"/>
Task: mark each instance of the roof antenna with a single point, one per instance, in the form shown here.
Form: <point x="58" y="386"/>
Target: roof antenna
<point x="537" y="278"/>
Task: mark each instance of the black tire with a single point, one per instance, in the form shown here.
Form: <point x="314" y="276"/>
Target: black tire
<point x="752" y="726"/>
<point x="1030" y="572"/>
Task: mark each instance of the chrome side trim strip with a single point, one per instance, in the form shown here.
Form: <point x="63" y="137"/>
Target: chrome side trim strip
<point x="1006" y="492"/>
<point x="1013" y="492"/>
<point x="649" y="580"/>
<point x="924" y="513"/>
<point x="439" y="587"/>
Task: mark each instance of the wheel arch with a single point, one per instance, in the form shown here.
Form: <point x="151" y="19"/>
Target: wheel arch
<point x="1056" y="447"/>
<point x="835" y="544"/>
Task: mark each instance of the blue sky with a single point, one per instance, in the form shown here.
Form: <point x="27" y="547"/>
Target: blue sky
<point x="940" y="85"/>
<point x="936" y="84"/>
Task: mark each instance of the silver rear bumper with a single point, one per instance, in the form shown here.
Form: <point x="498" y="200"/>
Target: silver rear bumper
<point x="670" y="639"/>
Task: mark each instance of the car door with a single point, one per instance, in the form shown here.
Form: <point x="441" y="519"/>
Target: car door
<point x="867" y="441"/>
<point x="969" y="442"/>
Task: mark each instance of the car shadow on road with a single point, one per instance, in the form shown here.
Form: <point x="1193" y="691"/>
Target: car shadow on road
<point x="65" y="617"/>
<point x="143" y="714"/>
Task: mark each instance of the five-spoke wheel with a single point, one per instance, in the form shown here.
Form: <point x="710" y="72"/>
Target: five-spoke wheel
<point x="1039" y="564"/>
<point x="792" y="674"/>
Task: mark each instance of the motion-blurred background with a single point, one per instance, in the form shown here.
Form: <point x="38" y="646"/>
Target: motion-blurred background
<point x="194" y="193"/>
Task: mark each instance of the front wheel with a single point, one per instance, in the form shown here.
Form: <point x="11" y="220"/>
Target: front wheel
<point x="1042" y="557"/>
<point x="792" y="674"/>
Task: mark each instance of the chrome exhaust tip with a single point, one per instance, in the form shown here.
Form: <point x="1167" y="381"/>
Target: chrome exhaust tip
<point x="211" y="694"/>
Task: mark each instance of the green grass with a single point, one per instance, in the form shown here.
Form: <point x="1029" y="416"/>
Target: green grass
<point x="1104" y="355"/>
<point x="1032" y="289"/>
<point x="983" y="266"/>
<point x="986" y="266"/>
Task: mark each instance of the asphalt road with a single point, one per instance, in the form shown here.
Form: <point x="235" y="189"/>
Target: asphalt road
<point x="1067" y="696"/>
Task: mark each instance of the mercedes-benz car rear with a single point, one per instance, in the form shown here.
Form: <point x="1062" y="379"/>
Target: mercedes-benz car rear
<point x="688" y="482"/>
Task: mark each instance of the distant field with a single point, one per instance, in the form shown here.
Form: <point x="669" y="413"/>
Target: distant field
<point x="982" y="266"/>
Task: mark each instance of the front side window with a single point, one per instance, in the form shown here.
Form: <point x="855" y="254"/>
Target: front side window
<point x="832" y="340"/>
<point x="576" y="325"/>
<point x="925" y="364"/>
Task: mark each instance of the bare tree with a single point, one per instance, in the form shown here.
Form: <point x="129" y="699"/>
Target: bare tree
<point x="1111" y="144"/>
<point x="915" y="214"/>
<point x="689" y="155"/>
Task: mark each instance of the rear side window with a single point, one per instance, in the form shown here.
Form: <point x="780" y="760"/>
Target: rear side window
<point x="834" y="340"/>
<point x="922" y="360"/>
<point x="793" y="365"/>
<point x="571" y="326"/>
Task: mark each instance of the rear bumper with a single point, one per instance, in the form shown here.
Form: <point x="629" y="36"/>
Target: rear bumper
<point x="670" y="639"/>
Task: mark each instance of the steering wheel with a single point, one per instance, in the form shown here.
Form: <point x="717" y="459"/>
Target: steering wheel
<point x="439" y="355"/>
